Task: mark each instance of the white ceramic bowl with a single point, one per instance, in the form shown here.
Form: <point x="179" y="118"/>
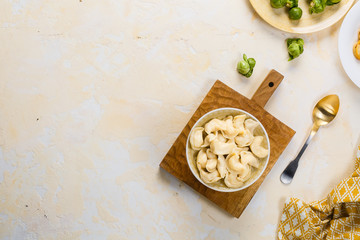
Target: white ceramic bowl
<point x="191" y="154"/>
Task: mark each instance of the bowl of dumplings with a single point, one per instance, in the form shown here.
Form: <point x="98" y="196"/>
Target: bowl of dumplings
<point x="227" y="149"/>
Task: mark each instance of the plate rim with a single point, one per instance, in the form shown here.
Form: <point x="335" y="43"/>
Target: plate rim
<point x="355" y="8"/>
<point x="311" y="30"/>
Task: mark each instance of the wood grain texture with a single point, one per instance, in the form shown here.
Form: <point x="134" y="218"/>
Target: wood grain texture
<point x="219" y="96"/>
<point x="267" y="88"/>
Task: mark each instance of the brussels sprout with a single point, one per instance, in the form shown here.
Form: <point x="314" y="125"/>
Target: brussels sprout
<point x="278" y="3"/>
<point x="246" y="66"/>
<point x="317" y="6"/>
<point x="295" y="47"/>
<point x="332" y="2"/>
<point x="243" y="67"/>
<point x="251" y="62"/>
<point x="293" y="3"/>
<point x="295" y="13"/>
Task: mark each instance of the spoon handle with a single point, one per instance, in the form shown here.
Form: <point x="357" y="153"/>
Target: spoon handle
<point x="288" y="174"/>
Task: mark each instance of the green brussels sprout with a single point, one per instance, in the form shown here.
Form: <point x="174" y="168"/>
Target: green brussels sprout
<point x="278" y="3"/>
<point x="317" y="6"/>
<point x="332" y="2"/>
<point x="243" y="67"/>
<point x="249" y="73"/>
<point x="251" y="62"/>
<point x="295" y="13"/>
<point x="292" y="3"/>
<point x="295" y="47"/>
<point x="246" y="66"/>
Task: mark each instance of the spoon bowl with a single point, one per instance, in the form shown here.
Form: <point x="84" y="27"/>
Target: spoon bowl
<point x="326" y="110"/>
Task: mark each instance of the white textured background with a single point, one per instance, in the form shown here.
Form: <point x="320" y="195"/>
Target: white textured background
<point x="94" y="93"/>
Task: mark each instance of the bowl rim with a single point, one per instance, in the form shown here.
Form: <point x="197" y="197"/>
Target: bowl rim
<point x="229" y="189"/>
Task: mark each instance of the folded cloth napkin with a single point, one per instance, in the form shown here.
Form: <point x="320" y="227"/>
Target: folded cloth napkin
<point x="335" y="217"/>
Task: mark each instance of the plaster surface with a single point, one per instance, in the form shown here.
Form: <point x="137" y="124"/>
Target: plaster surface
<point x="94" y="93"/>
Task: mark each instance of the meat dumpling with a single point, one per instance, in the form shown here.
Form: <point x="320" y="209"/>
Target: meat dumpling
<point x="208" y="139"/>
<point x="196" y="138"/>
<point x="245" y="139"/>
<point x="232" y="181"/>
<point x="221" y="166"/>
<point x="233" y="163"/>
<point x="251" y="125"/>
<point x="221" y="148"/>
<point x="209" y="177"/>
<point x="249" y="158"/>
<point x="215" y="125"/>
<point x="239" y="123"/>
<point x="201" y="159"/>
<point x="257" y="148"/>
<point x="230" y="132"/>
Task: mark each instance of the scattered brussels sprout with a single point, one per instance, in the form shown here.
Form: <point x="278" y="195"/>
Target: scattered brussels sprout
<point x="332" y="2"/>
<point x="293" y="3"/>
<point x="251" y="62"/>
<point x="295" y="47"/>
<point x="246" y="66"/>
<point x="317" y="6"/>
<point x="295" y="13"/>
<point x="243" y="67"/>
<point x="278" y="3"/>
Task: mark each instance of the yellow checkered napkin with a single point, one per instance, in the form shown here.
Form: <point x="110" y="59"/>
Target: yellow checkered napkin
<point x="335" y="217"/>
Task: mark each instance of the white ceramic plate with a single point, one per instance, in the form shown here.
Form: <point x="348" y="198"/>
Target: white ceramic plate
<point x="348" y="36"/>
<point x="308" y="23"/>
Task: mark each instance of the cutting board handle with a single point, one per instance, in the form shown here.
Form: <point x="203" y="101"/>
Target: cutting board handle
<point x="267" y="88"/>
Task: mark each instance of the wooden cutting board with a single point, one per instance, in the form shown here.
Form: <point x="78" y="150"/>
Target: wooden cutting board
<point x="220" y="96"/>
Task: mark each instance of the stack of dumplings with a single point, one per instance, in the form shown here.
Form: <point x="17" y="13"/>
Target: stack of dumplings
<point x="228" y="150"/>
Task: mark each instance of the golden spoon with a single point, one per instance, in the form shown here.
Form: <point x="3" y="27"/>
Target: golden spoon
<point x="324" y="112"/>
